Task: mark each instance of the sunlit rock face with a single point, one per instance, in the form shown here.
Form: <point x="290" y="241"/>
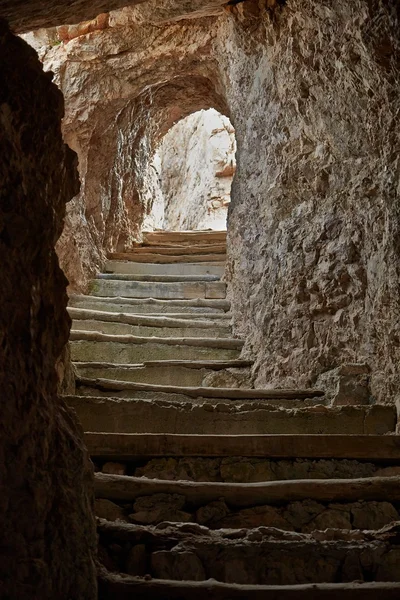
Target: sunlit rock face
<point x="47" y="531"/>
<point x="194" y="166"/>
<point x="312" y="90"/>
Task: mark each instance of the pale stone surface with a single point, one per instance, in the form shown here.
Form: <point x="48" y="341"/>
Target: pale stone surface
<point x="195" y="163"/>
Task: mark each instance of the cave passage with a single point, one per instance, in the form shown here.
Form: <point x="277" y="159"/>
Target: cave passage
<point x="222" y="421"/>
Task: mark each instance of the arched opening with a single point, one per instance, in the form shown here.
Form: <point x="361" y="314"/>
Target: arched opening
<point x="192" y="170"/>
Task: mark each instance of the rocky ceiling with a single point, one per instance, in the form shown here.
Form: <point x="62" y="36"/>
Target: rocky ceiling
<point x="29" y="15"/>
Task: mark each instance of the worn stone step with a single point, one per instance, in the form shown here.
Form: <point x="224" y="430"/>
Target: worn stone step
<point x="123" y="415"/>
<point x="129" y="267"/>
<point x="157" y="278"/>
<point x="301" y="506"/>
<point x="203" y="392"/>
<point x="188" y="551"/>
<point x="179" y="249"/>
<point x="244" y="495"/>
<point x="194" y="308"/>
<point x="123" y="587"/>
<point x="140" y="446"/>
<point x="239" y="469"/>
<point x="163" y="321"/>
<point x="158" y="290"/>
<point x="99" y="347"/>
<point x="191" y="373"/>
<point x="119" y="328"/>
<point x="159" y="238"/>
<point x="150" y="257"/>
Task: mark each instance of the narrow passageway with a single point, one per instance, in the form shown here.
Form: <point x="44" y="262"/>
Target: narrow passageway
<point x="234" y="380"/>
<point x="194" y="465"/>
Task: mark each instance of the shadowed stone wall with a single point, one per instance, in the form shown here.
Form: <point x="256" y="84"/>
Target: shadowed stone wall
<point x="47" y="531"/>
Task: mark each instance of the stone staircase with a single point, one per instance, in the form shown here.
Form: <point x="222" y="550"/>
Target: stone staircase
<point x="206" y="487"/>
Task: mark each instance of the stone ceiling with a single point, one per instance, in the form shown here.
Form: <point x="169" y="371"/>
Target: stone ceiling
<point x="28" y="15"/>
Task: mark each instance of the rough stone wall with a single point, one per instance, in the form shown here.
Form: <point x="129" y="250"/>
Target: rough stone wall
<point x="195" y="163"/>
<point x="312" y="91"/>
<point x="124" y="87"/>
<point x="47" y="533"/>
<point x="314" y="254"/>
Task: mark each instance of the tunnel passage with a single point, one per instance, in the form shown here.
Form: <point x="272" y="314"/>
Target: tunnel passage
<point x="313" y="271"/>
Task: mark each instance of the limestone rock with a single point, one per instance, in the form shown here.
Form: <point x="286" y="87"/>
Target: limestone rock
<point x="195" y="163"/>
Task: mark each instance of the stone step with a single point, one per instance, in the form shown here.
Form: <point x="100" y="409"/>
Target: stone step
<point x="99" y="347"/>
<point x="159" y="238"/>
<point x="129" y="267"/>
<point x="163" y="321"/>
<point x="195" y="308"/>
<point x="139" y="415"/>
<point x="201" y="392"/>
<point x="179" y="249"/>
<point x="158" y="290"/>
<point x="239" y="469"/>
<point x="187" y="330"/>
<point x="303" y="515"/>
<point x="122" y="488"/>
<point x="190" y="373"/>
<point x="150" y="257"/>
<point x="123" y="587"/>
<point x="141" y="446"/>
<point x="157" y="278"/>
<point x="192" y="552"/>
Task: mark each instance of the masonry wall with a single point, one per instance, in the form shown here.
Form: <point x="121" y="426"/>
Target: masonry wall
<point x="47" y="531"/>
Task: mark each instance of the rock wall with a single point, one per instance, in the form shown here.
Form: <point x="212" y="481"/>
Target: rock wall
<point x="194" y="163"/>
<point x="312" y="91"/>
<point x="47" y="532"/>
<point x="124" y="88"/>
<point x="314" y="252"/>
